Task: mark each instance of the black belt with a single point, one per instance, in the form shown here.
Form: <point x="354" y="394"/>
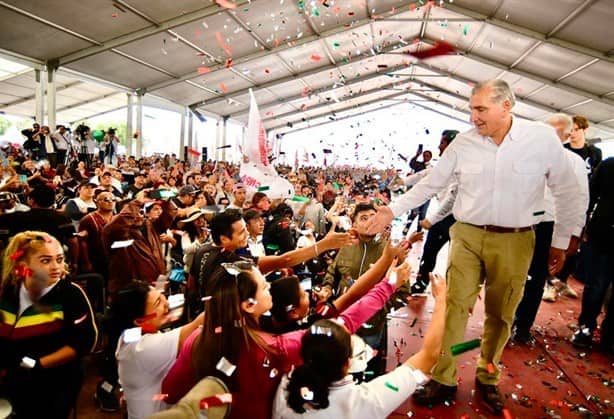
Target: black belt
<point x="498" y="229"/>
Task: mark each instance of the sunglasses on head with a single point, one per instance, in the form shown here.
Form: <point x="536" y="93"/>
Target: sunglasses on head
<point x="235" y="268"/>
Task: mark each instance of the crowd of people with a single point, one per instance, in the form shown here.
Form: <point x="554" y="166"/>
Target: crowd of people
<point x="199" y="294"/>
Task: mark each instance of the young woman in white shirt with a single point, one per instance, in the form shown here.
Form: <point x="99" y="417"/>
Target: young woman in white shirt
<point x="322" y="387"/>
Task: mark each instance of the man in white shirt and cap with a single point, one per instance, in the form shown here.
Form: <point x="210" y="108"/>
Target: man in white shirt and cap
<point x="501" y="166"/>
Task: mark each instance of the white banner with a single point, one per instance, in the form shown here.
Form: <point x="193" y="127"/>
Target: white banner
<point x="257" y="173"/>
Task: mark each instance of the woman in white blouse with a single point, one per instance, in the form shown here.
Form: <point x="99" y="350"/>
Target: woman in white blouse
<point x="323" y="388"/>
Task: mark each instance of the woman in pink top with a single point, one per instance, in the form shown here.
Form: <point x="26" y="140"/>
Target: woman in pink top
<point x="231" y="345"/>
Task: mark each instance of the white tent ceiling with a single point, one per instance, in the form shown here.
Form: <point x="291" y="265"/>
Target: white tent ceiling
<point x="309" y="61"/>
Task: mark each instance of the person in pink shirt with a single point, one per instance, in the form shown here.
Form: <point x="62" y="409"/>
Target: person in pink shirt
<point x="232" y="347"/>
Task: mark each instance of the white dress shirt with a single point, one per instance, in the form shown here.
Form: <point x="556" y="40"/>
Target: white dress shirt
<point x="376" y="399"/>
<point x="547" y="206"/>
<point x="502" y="184"/>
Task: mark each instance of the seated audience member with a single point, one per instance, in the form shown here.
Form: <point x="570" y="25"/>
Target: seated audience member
<point x="145" y="359"/>
<point x="83" y="204"/>
<point x="322" y="387"/>
<point x="106" y="183"/>
<point x="255" y="227"/>
<point x="91" y="229"/>
<point x="231" y="339"/>
<point x="42" y="217"/>
<point x="140" y="255"/>
<point x="261" y="203"/>
<point x="278" y="235"/>
<point x="194" y="234"/>
<point x="46" y="327"/>
<point x="239" y="197"/>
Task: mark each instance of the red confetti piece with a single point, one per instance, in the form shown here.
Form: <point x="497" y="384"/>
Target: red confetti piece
<point x="507" y="414"/>
<point x="440" y="48"/>
<point x="223" y="88"/>
<point x="491" y="368"/>
<point x="228" y="63"/>
<point x="315" y="57"/>
<point x="412" y="7"/>
<point x="158" y="397"/>
<point x="81" y="319"/>
<point x="226" y="4"/>
<point x="193" y="152"/>
<point x="114" y="15"/>
<point x="217" y="400"/>
<point x="206" y="298"/>
<point x="16" y="255"/>
<point x="203" y="70"/>
<point x="266" y="70"/>
<point x="218" y="330"/>
<point x="222" y="44"/>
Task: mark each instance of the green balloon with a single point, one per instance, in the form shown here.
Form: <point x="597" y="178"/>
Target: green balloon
<point x="98" y="135"/>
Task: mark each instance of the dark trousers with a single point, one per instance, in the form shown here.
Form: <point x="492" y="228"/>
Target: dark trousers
<point x="538" y="272"/>
<point x="600" y="276"/>
<point x="438" y="236"/>
<point x="61" y="156"/>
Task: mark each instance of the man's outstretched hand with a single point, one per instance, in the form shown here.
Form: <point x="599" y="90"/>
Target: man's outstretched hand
<point x="382" y="218"/>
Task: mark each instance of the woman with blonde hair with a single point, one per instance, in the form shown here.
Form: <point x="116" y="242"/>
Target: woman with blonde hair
<point x="46" y="327"/>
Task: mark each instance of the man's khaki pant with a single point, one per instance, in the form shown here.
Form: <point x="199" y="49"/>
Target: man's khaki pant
<point x="500" y="261"/>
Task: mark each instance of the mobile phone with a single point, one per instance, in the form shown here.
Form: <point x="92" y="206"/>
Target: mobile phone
<point x="161" y="194"/>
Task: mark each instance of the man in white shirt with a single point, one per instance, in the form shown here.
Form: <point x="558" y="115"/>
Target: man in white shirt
<point x="62" y="143"/>
<point x="538" y="271"/>
<point x="438" y="220"/>
<point x="501" y="166"/>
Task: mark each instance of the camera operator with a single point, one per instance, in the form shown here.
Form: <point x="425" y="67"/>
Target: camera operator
<point x="32" y="145"/>
<point x="87" y="144"/>
<point x="111" y="143"/>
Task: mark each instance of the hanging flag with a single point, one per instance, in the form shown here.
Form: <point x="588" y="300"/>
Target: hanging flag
<point x="256" y="170"/>
<point x="193" y="152"/>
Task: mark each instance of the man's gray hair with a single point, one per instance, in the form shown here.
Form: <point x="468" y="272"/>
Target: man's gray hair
<point x="501" y="90"/>
<point x="562" y="117"/>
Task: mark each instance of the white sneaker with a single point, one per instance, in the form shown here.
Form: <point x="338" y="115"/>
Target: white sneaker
<point x="549" y="294"/>
<point x="566" y="291"/>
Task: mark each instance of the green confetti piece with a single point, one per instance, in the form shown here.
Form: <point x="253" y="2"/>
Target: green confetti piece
<point x="337" y="185"/>
<point x="300" y="199"/>
<point x="263" y="188"/>
<point x="465" y="29"/>
<point x="301" y="4"/>
<point x="336" y="44"/>
<point x="272" y="246"/>
<point x="315" y="12"/>
<point x="369" y="373"/>
<point x="345" y="60"/>
<point x="391" y="386"/>
<point x="462" y="347"/>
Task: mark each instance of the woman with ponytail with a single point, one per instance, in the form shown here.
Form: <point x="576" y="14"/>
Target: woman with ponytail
<point x="46" y="327"/>
<point x="232" y="347"/>
<point x="323" y="387"/>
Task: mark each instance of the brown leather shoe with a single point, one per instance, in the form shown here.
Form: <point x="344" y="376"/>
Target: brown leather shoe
<point x="490" y="397"/>
<point x="433" y="393"/>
